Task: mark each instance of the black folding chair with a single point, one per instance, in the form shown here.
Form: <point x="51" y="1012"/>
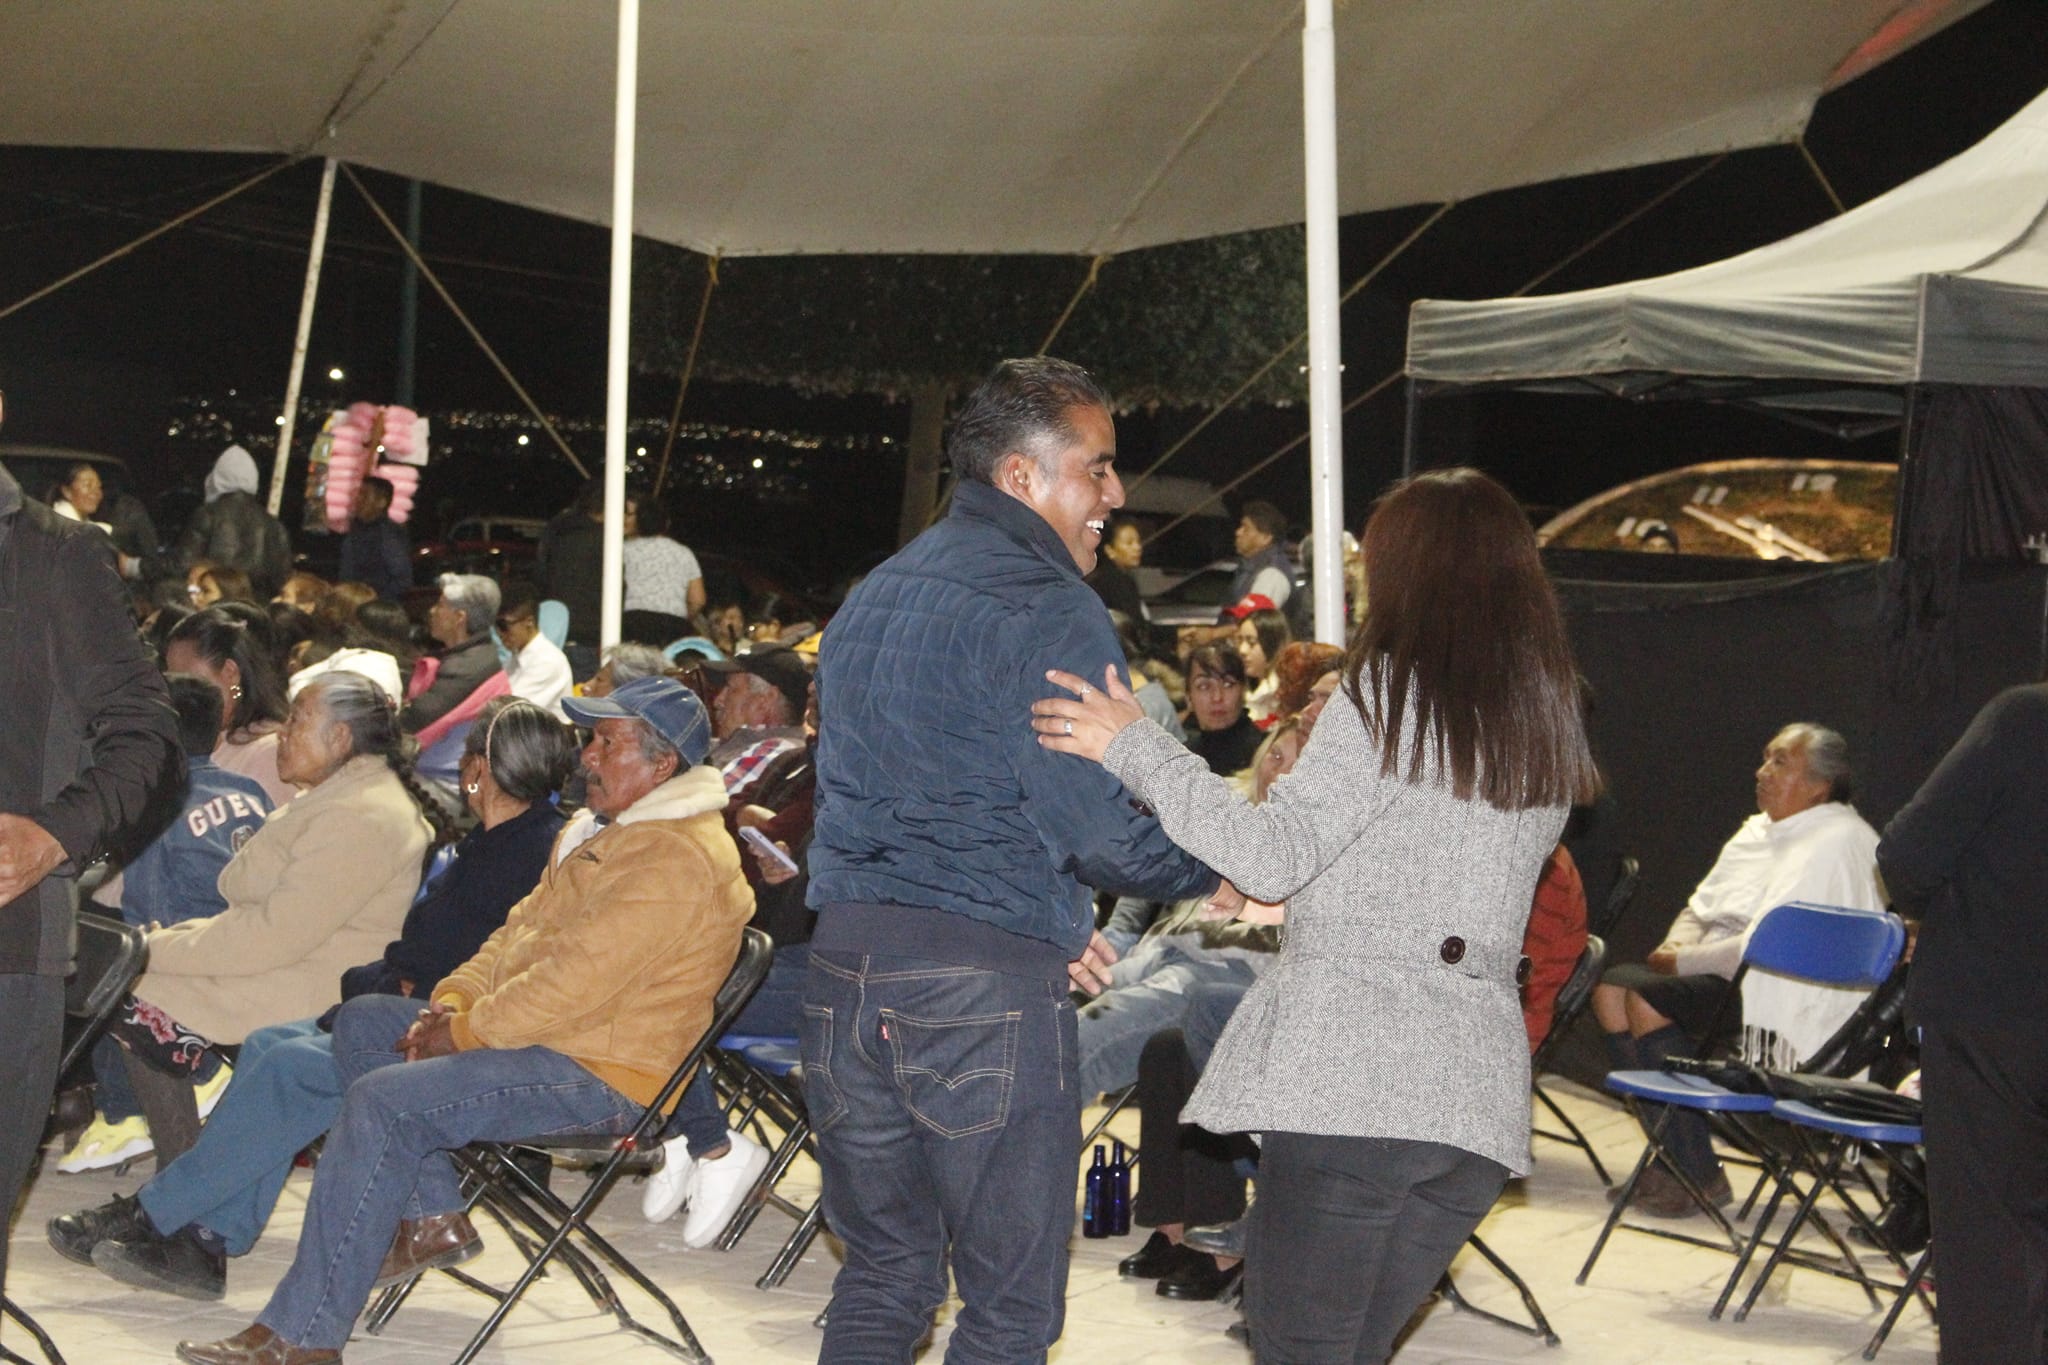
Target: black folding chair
<point x="1572" y="999"/>
<point x="106" y="962"/>
<point x="1619" y="897"/>
<point x="501" y="1186"/>
<point x="1538" y="1325"/>
<point x="108" y="955"/>
<point x="762" y="1074"/>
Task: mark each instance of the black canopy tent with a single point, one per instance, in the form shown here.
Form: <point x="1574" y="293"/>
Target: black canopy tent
<point x="1926" y="308"/>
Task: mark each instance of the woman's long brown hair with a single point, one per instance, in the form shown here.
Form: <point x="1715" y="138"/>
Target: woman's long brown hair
<point x="1463" y="639"/>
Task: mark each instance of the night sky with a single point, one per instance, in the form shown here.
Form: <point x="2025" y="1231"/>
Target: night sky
<point x="213" y="306"/>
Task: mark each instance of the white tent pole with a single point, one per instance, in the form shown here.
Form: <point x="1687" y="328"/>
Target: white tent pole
<point x="621" y="318"/>
<point x="1325" y="350"/>
<point x="289" y="419"/>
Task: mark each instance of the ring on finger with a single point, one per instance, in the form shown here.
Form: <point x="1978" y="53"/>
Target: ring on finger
<point x="1070" y="727"/>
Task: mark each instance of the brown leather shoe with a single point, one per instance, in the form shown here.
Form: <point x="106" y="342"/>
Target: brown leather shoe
<point x="256" y="1345"/>
<point x="1666" y="1198"/>
<point x="422" y="1244"/>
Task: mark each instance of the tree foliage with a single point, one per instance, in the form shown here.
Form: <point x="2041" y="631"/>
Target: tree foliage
<point x="1180" y="325"/>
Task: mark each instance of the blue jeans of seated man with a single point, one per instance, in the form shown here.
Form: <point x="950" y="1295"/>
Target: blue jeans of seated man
<point x="285" y="1093"/>
<point x="386" y="1155"/>
<point x="775" y="1011"/>
<point x="1148" y="991"/>
<point x="948" y="1119"/>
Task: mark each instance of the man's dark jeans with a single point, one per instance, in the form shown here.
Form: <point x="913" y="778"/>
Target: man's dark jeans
<point x="948" y="1118"/>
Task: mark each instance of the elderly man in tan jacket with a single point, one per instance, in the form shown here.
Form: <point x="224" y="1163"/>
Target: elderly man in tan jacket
<point x="569" y="1019"/>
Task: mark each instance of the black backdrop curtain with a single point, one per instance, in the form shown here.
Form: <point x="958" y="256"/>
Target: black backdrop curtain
<point x="1690" y="680"/>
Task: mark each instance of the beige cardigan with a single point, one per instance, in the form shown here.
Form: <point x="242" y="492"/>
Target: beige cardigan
<point x="322" y="887"/>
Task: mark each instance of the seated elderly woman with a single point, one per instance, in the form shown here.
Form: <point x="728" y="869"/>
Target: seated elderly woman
<point x="1183" y="948"/>
<point x="176" y="1232"/>
<point x="323" y="885"/>
<point x="453" y="684"/>
<point x="623" y="663"/>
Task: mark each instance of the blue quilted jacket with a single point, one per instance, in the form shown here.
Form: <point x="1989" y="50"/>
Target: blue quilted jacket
<point x="932" y="790"/>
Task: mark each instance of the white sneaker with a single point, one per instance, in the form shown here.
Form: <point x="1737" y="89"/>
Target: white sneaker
<point x="717" y="1187"/>
<point x="669" y="1186"/>
<point x="104" y="1144"/>
<point x="209" y="1094"/>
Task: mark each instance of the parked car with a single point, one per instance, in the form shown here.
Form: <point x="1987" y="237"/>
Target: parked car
<point x="499" y="547"/>
<point x="1194" y="599"/>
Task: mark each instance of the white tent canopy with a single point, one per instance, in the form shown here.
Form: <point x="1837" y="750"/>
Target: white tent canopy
<point x="932" y="125"/>
<point x="1943" y="280"/>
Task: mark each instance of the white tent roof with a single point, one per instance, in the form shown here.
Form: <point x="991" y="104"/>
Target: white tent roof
<point x="933" y="125"/>
<point x="1943" y="280"/>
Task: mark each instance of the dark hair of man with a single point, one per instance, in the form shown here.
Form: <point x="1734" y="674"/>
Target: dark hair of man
<point x="1266" y="517"/>
<point x="650" y="515"/>
<point x="157" y="633"/>
<point x="518" y="598"/>
<point x="1271" y="628"/>
<point x="1464" y="642"/>
<point x="1216" y="661"/>
<point x="383" y="624"/>
<point x="197" y="703"/>
<point x="529" y="752"/>
<point x="380" y="491"/>
<point x="1024" y="406"/>
<point x="218" y="637"/>
<point x="288" y="628"/>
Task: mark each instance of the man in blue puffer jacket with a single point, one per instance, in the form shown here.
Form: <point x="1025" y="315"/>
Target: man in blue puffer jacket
<point x="951" y="867"/>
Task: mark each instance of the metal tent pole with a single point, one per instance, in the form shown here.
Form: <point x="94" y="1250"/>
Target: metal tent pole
<point x="288" y="421"/>
<point x="621" y="319"/>
<point x="1325" y="350"/>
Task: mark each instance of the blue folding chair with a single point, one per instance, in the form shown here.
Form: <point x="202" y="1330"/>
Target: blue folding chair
<point x="1885" y="1140"/>
<point x="553" y="620"/>
<point x="1827" y="945"/>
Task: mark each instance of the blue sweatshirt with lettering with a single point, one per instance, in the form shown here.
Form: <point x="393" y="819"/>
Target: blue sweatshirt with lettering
<point x="177" y="877"/>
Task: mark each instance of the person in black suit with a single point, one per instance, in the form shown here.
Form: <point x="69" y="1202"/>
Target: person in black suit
<point x="1968" y="856"/>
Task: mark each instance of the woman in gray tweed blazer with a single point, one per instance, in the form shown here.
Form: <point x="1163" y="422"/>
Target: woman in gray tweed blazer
<point x="1383" y="1056"/>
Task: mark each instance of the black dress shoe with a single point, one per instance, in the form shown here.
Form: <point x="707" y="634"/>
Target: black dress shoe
<point x="74" y="1235"/>
<point x="1200" y="1283"/>
<point x="1158" y="1258"/>
<point x="174" y="1265"/>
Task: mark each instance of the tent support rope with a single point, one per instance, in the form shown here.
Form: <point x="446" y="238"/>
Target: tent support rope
<point x="675" y="414"/>
<point x="1256" y="375"/>
<point x="1654" y="201"/>
<point x="1387" y="381"/>
<point x="118" y="252"/>
<point x="1080" y="292"/>
<point x="1826" y="185"/>
<point x="427" y="273"/>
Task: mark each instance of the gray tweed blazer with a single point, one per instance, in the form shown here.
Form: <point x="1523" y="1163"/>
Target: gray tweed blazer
<point x="1363" y="1028"/>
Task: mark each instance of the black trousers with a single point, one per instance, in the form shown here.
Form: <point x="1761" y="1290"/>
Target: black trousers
<point x="1185" y="1174"/>
<point x="1349" y="1235"/>
<point x="31" y="1044"/>
<point x="1986" y="1093"/>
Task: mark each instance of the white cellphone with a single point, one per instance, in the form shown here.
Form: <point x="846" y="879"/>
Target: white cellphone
<point x="767" y="848"/>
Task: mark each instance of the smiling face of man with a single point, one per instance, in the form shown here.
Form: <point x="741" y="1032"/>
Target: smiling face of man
<point x="1076" y="488"/>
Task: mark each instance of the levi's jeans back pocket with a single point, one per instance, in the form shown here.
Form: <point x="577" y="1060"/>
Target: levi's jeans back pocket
<point x="956" y="1074"/>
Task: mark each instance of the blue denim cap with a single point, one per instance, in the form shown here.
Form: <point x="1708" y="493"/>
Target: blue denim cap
<point x="671" y="708"/>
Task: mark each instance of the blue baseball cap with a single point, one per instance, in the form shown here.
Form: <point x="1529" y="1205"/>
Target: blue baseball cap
<point x="671" y="708"/>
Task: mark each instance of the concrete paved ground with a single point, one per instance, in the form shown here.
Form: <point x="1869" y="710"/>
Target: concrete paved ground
<point x="1646" y="1302"/>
